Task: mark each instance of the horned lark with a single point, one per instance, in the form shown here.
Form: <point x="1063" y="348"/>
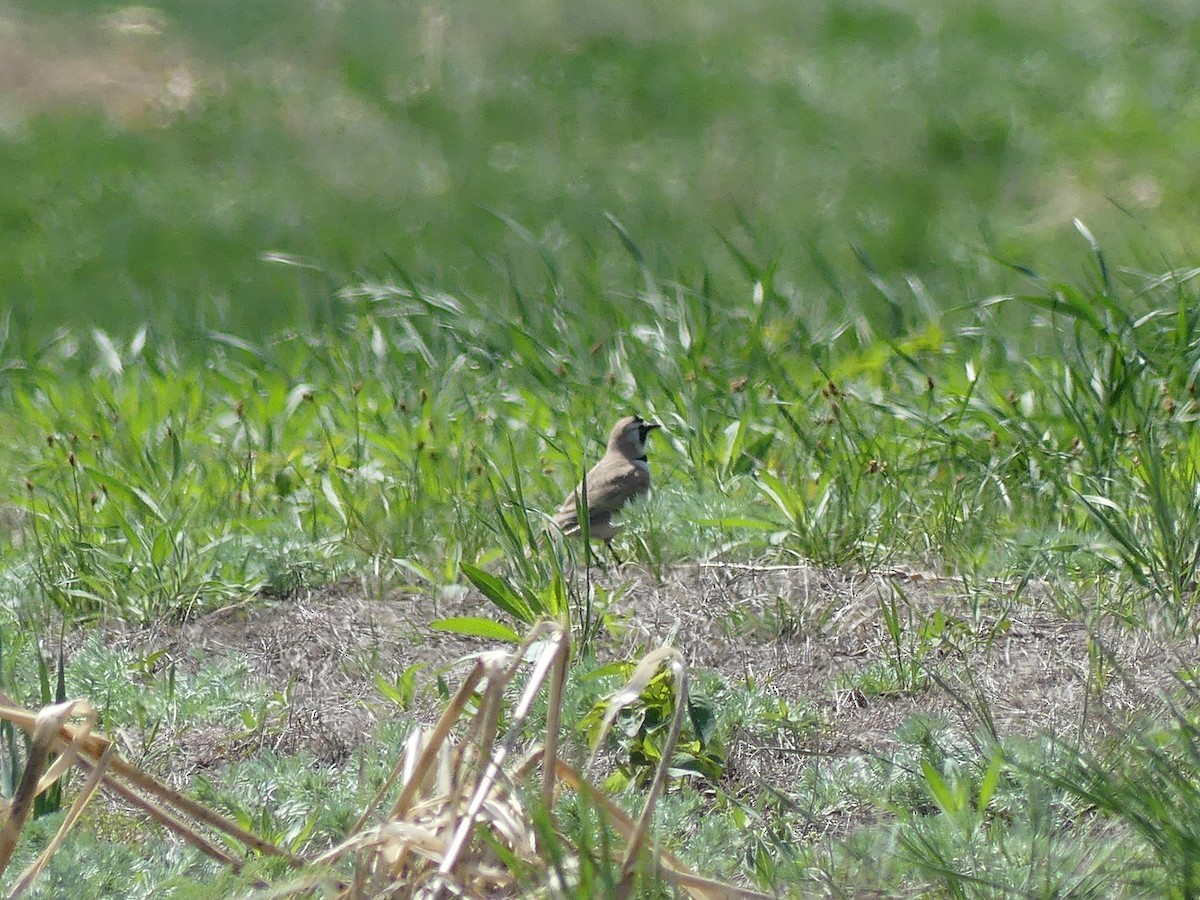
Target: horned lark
<point x="619" y="477"/>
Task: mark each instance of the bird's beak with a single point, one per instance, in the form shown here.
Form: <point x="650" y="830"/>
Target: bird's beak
<point x="650" y="426"/>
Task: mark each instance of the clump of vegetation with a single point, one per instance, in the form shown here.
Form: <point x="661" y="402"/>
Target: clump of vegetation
<point x="464" y="819"/>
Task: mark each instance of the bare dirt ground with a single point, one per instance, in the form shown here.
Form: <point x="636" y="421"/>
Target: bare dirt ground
<point x="121" y="63"/>
<point x="1002" y="659"/>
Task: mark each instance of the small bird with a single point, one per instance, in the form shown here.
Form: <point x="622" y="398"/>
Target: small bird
<point x="620" y="476"/>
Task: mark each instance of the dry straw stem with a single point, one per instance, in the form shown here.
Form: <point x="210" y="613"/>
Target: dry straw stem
<point x="423" y="847"/>
<point x="52" y="735"/>
<point x="458" y="803"/>
<point x="642" y="675"/>
<point x="85" y="795"/>
<point x="35" y="778"/>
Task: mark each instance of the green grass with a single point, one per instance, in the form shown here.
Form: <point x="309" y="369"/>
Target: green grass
<point x="370" y="302"/>
<point x="156" y="484"/>
<point x="926" y="141"/>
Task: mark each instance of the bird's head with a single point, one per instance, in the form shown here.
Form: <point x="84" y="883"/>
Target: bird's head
<point x="629" y="435"/>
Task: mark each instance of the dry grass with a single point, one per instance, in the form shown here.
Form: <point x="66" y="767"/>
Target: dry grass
<point x="1011" y="662"/>
<point x="806" y="633"/>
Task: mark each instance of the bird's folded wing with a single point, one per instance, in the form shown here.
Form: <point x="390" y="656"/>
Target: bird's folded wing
<point x="608" y="487"/>
<point x="610" y="493"/>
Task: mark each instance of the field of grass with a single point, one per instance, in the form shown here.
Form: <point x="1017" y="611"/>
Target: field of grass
<point x="307" y="296"/>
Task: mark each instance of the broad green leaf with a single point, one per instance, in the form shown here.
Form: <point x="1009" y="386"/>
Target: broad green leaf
<point x="161" y="548"/>
<point x="476" y="626"/>
<point x="620" y="668"/>
<point x="942" y="795"/>
<point x="135" y="495"/>
<point x="991" y="778"/>
<point x="740" y="522"/>
<point x="499" y="592"/>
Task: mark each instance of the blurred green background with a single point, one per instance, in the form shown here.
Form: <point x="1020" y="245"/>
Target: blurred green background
<point x="154" y="160"/>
